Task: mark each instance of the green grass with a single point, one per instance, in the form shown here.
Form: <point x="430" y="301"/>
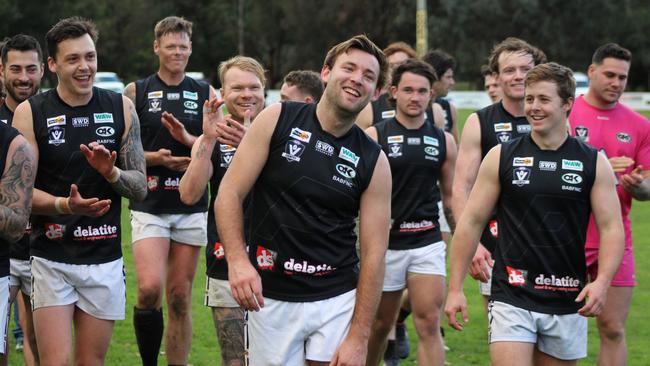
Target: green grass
<point x="467" y="347"/>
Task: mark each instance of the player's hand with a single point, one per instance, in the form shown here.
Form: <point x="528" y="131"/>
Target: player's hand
<point x="176" y="163"/>
<point x="99" y="157"/>
<point x="631" y="181"/>
<point x="93" y="207"/>
<point x="481" y="264"/>
<point x="596" y="295"/>
<point x="352" y="351"/>
<point x="177" y="129"/>
<point x="456" y="303"/>
<point x="232" y="132"/>
<point x="620" y="163"/>
<point x="212" y="115"/>
<point x="246" y="285"/>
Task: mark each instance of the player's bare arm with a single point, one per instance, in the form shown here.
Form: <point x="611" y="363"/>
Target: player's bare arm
<point x="447" y="179"/>
<point x="364" y="119"/>
<point x="637" y="182"/>
<point x="16" y="188"/>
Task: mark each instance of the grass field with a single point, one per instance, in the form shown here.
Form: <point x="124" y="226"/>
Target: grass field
<point x="467" y="348"/>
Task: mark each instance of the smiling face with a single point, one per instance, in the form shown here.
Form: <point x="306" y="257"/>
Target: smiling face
<point x="75" y="66"/>
<point x="412" y="95"/>
<point x="607" y="81"/>
<point x="22" y="75"/>
<point x="173" y="50"/>
<point x="242" y="91"/>
<point x="513" y="67"/>
<point x="545" y="110"/>
<point x="352" y="81"/>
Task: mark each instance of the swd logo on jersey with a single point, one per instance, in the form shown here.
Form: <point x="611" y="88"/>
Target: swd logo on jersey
<point x="550" y="166"/>
<point x="521" y="176"/>
<point x="413" y="141"/>
<point x="582" y="133"/>
<point x="623" y="137"/>
<point x="516" y="277"/>
<point x="565" y="284"/>
<point x="103" y="117"/>
<point x="95" y="233"/>
<point x="293" y="150"/>
<point x="292" y="266"/>
<point x="300" y="135"/>
<point x="80" y="121"/>
<point x="503" y="137"/>
<point x="388" y="114"/>
<point x="346" y="171"/>
<point x="324" y="148"/>
<point x="172" y="184"/>
<point x="56" y="135"/>
<point x="502" y="127"/>
<point x="348" y="155"/>
<point x="218" y="251"/>
<point x="494" y="228"/>
<point x="572" y="165"/>
<point x="524" y="129"/>
<point x="54" y="231"/>
<point x="394" y="150"/>
<point x="152" y="182"/>
<point x="105" y="131"/>
<point x="56" y="121"/>
<point x="523" y="161"/>
<point x="265" y="258"/>
<point x="428" y="140"/>
<point x="173" y="96"/>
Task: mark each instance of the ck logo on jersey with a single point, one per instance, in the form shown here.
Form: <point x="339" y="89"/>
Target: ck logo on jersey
<point x="265" y="258"/>
<point x="398" y="139"/>
<point x="501" y="127"/>
<point x="395" y="150"/>
<point x="348" y="155"/>
<point x="503" y="137"/>
<point x="105" y="131"/>
<point x="521" y="176"/>
<point x="623" y="137"/>
<point x="430" y="150"/>
<point x="525" y="161"/>
<point x="56" y="135"/>
<point x="516" y="277"/>
<point x="572" y="178"/>
<point x="428" y="140"/>
<point x="292" y="151"/>
<point x="190" y="105"/>
<point x="346" y="171"/>
<point x="190" y="95"/>
<point x="155" y="105"/>
<point x="582" y="133"/>
<point x="299" y="134"/>
<point x="103" y="117"/>
<point x="158" y="94"/>
<point x="524" y="129"/>
<point x="572" y="165"/>
<point x="550" y="166"/>
<point x="218" y="251"/>
<point x="56" y="121"/>
<point x="388" y="114"/>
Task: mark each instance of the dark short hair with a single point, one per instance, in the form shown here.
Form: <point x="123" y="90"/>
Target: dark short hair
<point x="612" y="50"/>
<point x="440" y="60"/>
<point x="173" y="24"/>
<point x="486" y="71"/>
<point x="307" y="81"/>
<point x="416" y="67"/>
<point x="69" y="28"/>
<point x="562" y="76"/>
<point x="362" y="43"/>
<point x="400" y="47"/>
<point x="21" y="42"/>
<point x="515" y="45"/>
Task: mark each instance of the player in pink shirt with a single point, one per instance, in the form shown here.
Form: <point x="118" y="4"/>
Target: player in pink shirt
<point x="624" y="137"/>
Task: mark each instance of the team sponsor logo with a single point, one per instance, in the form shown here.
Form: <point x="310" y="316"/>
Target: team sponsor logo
<point x="602" y="118"/>
<point x="265" y="258"/>
<point x="394" y="150"/>
<point x="155" y="105"/>
<point x="416" y="226"/>
<point x="502" y="127"/>
<point x="103" y="117"/>
<point x="388" y="114"/>
<point x="494" y="228"/>
<point x="54" y="231"/>
<point x="582" y="133"/>
<point x="190" y="104"/>
<point x="218" y="251"/>
<point x="80" y="121"/>
<point x="226" y="159"/>
<point x="172" y="184"/>
<point x="293" y="266"/>
<point x="550" y="166"/>
<point x="553" y="283"/>
<point x="173" y="96"/>
<point x="523" y="161"/>
<point x="623" y="137"/>
<point x="293" y="150"/>
<point x="105" y="141"/>
<point x="190" y="95"/>
<point x="521" y="176"/>
<point x="56" y="135"/>
<point x="152" y="182"/>
<point x="105" y="131"/>
<point x="158" y="94"/>
<point x="428" y="140"/>
<point x="516" y="277"/>
<point x="430" y="150"/>
<point x="348" y="155"/>
<point x="413" y="141"/>
<point x="324" y="148"/>
<point x="524" y="129"/>
<point x="346" y="171"/>
<point x="300" y="135"/>
<point x="398" y="139"/>
<point x="503" y="137"/>
<point x="95" y="233"/>
<point x="572" y="165"/>
<point x="56" y="121"/>
<point x="227" y="148"/>
<point x="572" y="178"/>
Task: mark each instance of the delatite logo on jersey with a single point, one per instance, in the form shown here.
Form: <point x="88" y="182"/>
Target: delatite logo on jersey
<point x="152" y="182"/>
<point x="516" y="277"/>
<point x="172" y="184"/>
<point x="292" y="266"/>
<point x="95" y="232"/>
<point x="54" y="231"/>
<point x="218" y="251"/>
<point x="265" y="258"/>
<point x="553" y="283"/>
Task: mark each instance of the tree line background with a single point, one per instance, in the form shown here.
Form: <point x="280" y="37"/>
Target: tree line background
<point x="295" y="34"/>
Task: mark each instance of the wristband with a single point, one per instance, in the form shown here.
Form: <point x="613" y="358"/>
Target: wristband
<point x="62" y="205"/>
<point x="115" y="175"/>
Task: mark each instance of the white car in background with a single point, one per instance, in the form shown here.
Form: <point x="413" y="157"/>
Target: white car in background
<point x="109" y="80"/>
<point x="582" y="83"/>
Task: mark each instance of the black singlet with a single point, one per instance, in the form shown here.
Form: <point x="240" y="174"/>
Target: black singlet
<point x="185" y="102"/>
<point x="415" y="157"/>
<point x="543" y="213"/>
<point x="446" y="108"/>
<point x="383" y="108"/>
<point x="7" y="135"/>
<point x="305" y="202"/>
<point x="59" y="129"/>
<point x="497" y="126"/>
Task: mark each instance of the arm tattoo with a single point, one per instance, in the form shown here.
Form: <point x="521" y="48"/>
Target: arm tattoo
<point x="229" y="323"/>
<point x="132" y="183"/>
<point x="16" y="193"/>
<point x="451" y="220"/>
<point x="201" y="150"/>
